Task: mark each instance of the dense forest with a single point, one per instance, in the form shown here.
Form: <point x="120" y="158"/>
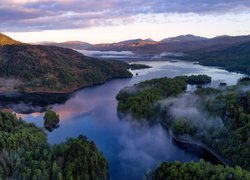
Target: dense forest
<point x="232" y="58"/>
<point x="217" y="118"/>
<point x="228" y="107"/>
<point x="140" y="99"/>
<point x="200" y="170"/>
<point x="26" y="154"/>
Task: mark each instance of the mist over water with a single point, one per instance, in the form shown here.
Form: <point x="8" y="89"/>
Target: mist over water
<point x="130" y="149"/>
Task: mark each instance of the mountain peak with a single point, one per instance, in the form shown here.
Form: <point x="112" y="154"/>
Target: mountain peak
<point x="6" y="40"/>
<point x="184" y="38"/>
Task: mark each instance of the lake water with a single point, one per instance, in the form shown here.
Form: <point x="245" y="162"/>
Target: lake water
<point x="131" y="149"/>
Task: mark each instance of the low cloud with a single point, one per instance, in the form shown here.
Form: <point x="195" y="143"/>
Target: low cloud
<point x="189" y="106"/>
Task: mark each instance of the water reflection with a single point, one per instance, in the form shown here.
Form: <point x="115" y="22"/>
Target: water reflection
<point x="130" y="149"/>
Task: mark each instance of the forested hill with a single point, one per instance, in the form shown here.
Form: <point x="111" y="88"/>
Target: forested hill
<point x="232" y="58"/>
<point x="26" y="154"/>
<point x="35" y="68"/>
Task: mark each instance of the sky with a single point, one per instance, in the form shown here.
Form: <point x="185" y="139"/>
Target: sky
<point x="105" y="21"/>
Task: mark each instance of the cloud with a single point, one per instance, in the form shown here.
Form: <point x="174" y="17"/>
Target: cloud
<point x="35" y="15"/>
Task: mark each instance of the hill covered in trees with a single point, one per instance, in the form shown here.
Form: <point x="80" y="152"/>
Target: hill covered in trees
<point x="35" y="68"/>
<point x="233" y="58"/>
<point x="26" y="154"/>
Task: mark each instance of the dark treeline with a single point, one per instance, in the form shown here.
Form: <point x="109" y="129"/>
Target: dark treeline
<point x="26" y="154"/>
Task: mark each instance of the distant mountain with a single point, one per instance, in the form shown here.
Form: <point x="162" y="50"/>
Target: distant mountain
<point x="5" y="40"/>
<point x="184" y="44"/>
<point x="123" y="45"/>
<point x="183" y="38"/>
<point x="36" y="68"/>
<point x="68" y="44"/>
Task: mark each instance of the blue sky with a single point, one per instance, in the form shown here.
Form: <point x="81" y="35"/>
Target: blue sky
<point x="99" y="21"/>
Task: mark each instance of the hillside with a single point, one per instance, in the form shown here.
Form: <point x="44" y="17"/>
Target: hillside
<point x="68" y="44"/>
<point x="5" y="40"/>
<point x="35" y="68"/>
<point x="184" y="43"/>
<point x="232" y="58"/>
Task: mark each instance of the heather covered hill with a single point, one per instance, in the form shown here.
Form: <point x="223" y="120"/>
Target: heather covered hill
<point x="5" y="40"/>
<point x="35" y="68"/>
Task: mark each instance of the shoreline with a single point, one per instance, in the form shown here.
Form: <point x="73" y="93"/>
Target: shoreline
<point x="222" y="160"/>
<point x="62" y="93"/>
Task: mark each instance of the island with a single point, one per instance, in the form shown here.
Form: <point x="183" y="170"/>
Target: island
<point x="139" y="66"/>
<point x="140" y="99"/>
<point x="26" y="154"/>
<point x="217" y="119"/>
<point x="51" y="120"/>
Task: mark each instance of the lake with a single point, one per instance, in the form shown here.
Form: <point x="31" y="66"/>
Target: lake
<point x="131" y="149"/>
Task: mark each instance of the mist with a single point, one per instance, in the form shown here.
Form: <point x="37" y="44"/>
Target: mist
<point x="189" y="106"/>
<point x="166" y="54"/>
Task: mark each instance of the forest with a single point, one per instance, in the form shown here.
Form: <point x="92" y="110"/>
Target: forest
<point x="26" y="154"/>
<point x="233" y="58"/>
<point x="232" y="107"/>
<point x="220" y="121"/>
<point x="140" y="100"/>
<point x="199" y="170"/>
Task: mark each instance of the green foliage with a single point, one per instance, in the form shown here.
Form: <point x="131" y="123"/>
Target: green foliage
<point x="26" y="154"/>
<point x="227" y="128"/>
<point x="199" y="170"/>
<point x="140" y="100"/>
<point x="199" y="79"/>
<point x="232" y="140"/>
<point x="51" y="119"/>
<point x="79" y="158"/>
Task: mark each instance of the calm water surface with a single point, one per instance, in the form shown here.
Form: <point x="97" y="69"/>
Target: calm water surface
<point x="131" y="149"/>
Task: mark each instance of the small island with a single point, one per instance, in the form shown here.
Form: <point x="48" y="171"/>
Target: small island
<point x="139" y="66"/>
<point x="51" y="120"/>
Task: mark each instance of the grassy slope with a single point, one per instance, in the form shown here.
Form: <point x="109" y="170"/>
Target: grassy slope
<point x="5" y="40"/>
